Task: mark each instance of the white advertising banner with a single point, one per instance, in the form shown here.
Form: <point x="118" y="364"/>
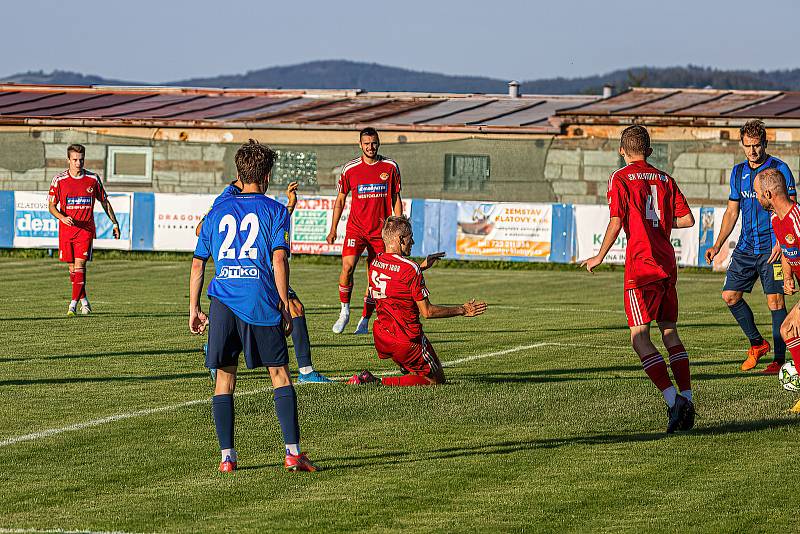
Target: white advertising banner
<point x="504" y="229"/>
<point x="723" y="258"/>
<point x="34" y="227"/>
<point x="176" y="217"/>
<point x="311" y="223"/>
<point x="590" y="228"/>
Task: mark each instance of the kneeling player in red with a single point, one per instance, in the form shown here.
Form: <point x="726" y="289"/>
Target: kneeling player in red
<point x="772" y="194"/>
<point x="647" y="203"/>
<point x="398" y="287"/>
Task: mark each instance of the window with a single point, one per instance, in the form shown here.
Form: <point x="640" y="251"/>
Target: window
<point x="465" y="173"/>
<point x="295" y="166"/>
<point x="130" y="164"/>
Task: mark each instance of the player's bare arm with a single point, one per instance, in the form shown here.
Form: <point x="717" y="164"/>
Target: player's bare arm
<point x="280" y="262"/>
<point x="612" y="232"/>
<point x="291" y="195"/>
<point x="789" y="287"/>
<point x="197" y="319"/>
<point x="397" y="205"/>
<point x="51" y="207"/>
<point x="728" y="222"/>
<point x="431" y="260"/>
<point x="687" y="221"/>
<point x="199" y="227"/>
<point x="111" y="215"/>
<point x="338" y="208"/>
<point x="470" y="308"/>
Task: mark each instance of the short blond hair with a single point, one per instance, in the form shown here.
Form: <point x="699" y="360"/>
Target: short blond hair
<point x="396" y="226"/>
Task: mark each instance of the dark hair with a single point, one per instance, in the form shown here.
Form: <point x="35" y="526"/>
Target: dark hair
<point x="754" y="128"/>
<point x="635" y="140"/>
<point x="370" y="131"/>
<point x="80" y="149"/>
<point x="254" y="162"/>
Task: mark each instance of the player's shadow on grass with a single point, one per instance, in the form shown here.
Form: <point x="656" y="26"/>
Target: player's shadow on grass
<point x="93" y="379"/>
<point x="131" y="353"/>
<point x="370" y="343"/>
<point x="586" y="374"/>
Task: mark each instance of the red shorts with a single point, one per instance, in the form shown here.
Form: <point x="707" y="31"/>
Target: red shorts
<point x="72" y="248"/>
<point x="413" y="355"/>
<point x="354" y="245"/>
<point x="656" y="301"/>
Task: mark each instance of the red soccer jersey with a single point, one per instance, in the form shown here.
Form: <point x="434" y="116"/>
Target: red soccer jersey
<point x="373" y="187"/>
<point x="787" y="231"/>
<point x="75" y="197"/>
<point x="647" y="200"/>
<point x="396" y="283"/>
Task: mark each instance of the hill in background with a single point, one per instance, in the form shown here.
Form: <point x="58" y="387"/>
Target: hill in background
<point x="341" y="74"/>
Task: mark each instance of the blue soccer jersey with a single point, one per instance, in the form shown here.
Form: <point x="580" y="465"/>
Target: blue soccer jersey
<point x="240" y="233"/>
<point x="228" y="192"/>
<point x="757" y="236"/>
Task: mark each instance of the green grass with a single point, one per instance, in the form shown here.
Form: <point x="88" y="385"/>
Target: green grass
<point x="563" y="436"/>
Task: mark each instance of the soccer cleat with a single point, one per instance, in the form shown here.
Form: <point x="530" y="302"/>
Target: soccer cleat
<point x="796" y="407"/>
<point x="687" y="423"/>
<point x="341" y="322"/>
<point x="71" y="311"/>
<point x="677" y="413"/>
<point x="753" y="355"/>
<point x="772" y="369"/>
<point x="86" y="309"/>
<point x="364" y="377"/>
<point x="314" y="377"/>
<point x="299" y="462"/>
<point x="363" y="326"/>
<point x="227" y="465"/>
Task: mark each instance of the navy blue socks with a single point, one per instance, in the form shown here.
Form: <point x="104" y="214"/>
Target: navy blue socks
<point x="286" y="410"/>
<point x="744" y="316"/>
<point x="778" y="344"/>
<point x="222" y="410"/>
<point x="302" y="346"/>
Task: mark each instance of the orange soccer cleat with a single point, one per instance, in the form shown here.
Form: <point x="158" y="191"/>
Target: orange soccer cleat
<point x="299" y="462"/>
<point x="227" y="465"/>
<point x="753" y="355"/>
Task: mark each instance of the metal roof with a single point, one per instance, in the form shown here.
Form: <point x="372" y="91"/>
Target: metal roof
<point x="688" y="105"/>
<point x="232" y="108"/>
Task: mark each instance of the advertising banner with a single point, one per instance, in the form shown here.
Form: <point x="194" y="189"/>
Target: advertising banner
<point x="504" y="229"/>
<point x="723" y="258"/>
<point x="176" y="217"/>
<point x="311" y="223"/>
<point x="34" y="227"/>
<point x="590" y="227"/>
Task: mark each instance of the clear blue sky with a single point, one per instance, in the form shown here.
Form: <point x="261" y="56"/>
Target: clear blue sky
<point x="161" y="40"/>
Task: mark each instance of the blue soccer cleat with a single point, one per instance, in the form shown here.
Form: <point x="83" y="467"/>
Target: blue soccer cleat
<point x="314" y="377"/>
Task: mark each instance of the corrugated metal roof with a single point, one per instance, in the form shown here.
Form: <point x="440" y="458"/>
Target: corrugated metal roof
<point x="166" y="106"/>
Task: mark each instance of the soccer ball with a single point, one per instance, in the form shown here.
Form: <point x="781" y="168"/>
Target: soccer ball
<point x="788" y="377"/>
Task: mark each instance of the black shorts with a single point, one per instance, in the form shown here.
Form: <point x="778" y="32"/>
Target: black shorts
<point x="745" y="268"/>
<point x="263" y="346"/>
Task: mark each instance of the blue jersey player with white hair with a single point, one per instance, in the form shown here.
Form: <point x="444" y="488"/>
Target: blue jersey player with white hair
<point x="757" y="254"/>
<point x="247" y="235"/>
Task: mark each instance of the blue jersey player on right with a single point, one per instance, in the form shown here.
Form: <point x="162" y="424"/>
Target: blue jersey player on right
<point x="247" y="235"/>
<point x="757" y="254"/>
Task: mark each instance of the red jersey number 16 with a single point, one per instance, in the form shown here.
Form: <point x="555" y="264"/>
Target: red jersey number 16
<point x="651" y="211"/>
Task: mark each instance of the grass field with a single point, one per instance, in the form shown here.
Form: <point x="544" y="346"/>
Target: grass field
<point x="548" y="422"/>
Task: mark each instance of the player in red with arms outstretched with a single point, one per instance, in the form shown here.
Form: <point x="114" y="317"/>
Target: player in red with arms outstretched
<point x="398" y="287"/>
<point x="772" y="194"/>
<point x="647" y="203"/>
<point x="375" y="183"/>
<point x="71" y="201"/>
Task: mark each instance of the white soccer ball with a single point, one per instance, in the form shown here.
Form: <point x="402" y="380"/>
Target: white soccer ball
<point x="788" y="377"/>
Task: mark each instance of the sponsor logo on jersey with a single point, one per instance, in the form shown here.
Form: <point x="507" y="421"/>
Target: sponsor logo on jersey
<point x="790" y="239"/>
<point x="384" y="176"/>
<point x="790" y="253"/>
<point x="79" y="202"/>
<point x="369" y="189"/>
<point x="749" y="194"/>
<point x="286" y="236"/>
<point x="227" y="272"/>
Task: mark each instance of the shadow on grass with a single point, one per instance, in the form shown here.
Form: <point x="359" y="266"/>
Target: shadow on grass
<point x="129" y="353"/>
<point x="93" y="379"/>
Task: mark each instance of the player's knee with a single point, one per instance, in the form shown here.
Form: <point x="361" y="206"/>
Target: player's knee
<point x="731" y="297"/>
<point x="775" y="302"/>
<point x="296" y="308"/>
<point x="225" y="382"/>
<point x="280" y="376"/>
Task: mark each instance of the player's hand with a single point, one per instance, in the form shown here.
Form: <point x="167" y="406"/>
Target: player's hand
<point x="198" y="321"/>
<point x="115" y="231"/>
<point x="592" y="263"/>
<point x="331" y="237"/>
<point x="711" y="253"/>
<point x="789" y="287"/>
<point x="775" y="255"/>
<point x="291" y="193"/>
<point x="472" y="308"/>
<point x="69" y="221"/>
<point x="429" y="262"/>
<point x="286" y="322"/>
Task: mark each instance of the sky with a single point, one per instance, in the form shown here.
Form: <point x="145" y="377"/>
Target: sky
<point x="157" y="41"/>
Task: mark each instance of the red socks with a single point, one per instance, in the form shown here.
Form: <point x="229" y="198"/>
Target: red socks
<point x="793" y="344"/>
<point x="78" y="279"/>
<point x="344" y="293"/>
<point x="369" y="307"/>
<point x="656" y="369"/>
<point x="405" y="380"/>
<point x="679" y="363"/>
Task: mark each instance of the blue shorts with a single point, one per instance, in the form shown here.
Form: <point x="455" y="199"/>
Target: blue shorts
<point x="263" y="346"/>
<point x="745" y="268"/>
